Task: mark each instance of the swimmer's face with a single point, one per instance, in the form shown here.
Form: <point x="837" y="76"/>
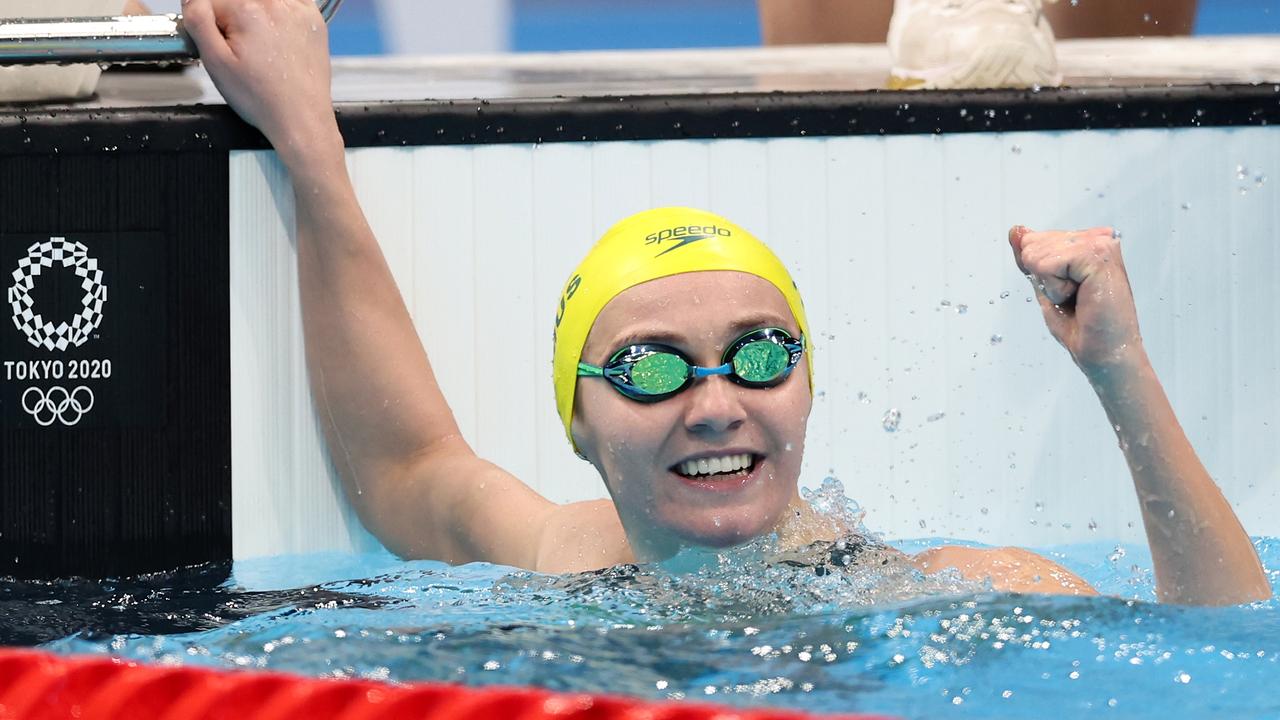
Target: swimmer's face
<point x="640" y="448"/>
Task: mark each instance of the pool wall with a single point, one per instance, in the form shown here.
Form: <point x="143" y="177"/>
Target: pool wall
<point x="898" y="245"/>
<point x="891" y="207"/>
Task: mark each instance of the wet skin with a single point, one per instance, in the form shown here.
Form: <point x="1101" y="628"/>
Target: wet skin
<point x="637" y="446"/>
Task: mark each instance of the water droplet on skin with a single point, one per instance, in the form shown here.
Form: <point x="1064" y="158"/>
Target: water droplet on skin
<point x="1016" y="149"/>
<point x="1260" y="179"/>
<point x="962" y="309"/>
<point x="891" y="420"/>
<point x="935" y="417"/>
<point x="985" y="511"/>
<point x="1242" y="172"/>
<point x="1186" y="206"/>
<point x="996" y="339"/>
<point x="1093" y="524"/>
<point x="864" y="398"/>
<point x="1004" y="294"/>
<point x="1039" y="506"/>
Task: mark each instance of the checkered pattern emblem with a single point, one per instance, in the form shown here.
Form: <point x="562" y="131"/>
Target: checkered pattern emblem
<point x="44" y="333"/>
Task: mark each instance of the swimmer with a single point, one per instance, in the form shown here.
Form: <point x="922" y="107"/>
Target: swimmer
<point x="631" y="327"/>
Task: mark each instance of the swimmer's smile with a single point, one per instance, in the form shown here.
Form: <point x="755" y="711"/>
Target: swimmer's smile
<point x="720" y="470"/>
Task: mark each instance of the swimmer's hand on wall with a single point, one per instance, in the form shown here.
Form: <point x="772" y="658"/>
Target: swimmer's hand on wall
<point x="270" y="60"/>
<point x="1083" y="289"/>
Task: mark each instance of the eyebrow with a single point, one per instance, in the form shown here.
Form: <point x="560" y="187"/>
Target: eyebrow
<point x="667" y="337"/>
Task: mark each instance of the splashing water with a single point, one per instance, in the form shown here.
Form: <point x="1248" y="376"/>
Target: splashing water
<point x="846" y="626"/>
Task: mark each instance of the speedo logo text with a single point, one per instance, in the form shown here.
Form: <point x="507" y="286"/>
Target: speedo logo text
<point x="686" y="234"/>
<point x="686" y="231"/>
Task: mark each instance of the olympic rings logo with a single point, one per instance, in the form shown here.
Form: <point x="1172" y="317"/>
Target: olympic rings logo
<point x="43" y="333"/>
<point x="57" y="405"/>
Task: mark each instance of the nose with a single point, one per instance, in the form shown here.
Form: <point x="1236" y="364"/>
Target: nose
<point x="714" y="406"/>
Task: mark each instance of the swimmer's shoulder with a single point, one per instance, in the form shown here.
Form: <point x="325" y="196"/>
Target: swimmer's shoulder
<point x="583" y="536"/>
<point x="1009" y="569"/>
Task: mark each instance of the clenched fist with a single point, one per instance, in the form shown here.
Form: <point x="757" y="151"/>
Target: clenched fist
<point x="1084" y="294"/>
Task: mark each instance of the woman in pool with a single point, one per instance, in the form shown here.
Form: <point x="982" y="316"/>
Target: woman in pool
<point x="630" y="318"/>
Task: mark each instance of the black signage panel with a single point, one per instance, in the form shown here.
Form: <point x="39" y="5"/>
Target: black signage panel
<point x="86" y="343"/>
<point x="114" y="364"/>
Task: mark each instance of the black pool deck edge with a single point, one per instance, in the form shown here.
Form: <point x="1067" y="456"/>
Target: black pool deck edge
<point x="215" y="128"/>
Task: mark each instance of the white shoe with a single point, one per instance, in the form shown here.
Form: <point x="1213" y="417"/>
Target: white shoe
<point x="938" y="44"/>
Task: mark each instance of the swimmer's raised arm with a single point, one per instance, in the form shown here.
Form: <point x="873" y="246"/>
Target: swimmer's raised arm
<point x="1201" y="552"/>
<point x="414" y="480"/>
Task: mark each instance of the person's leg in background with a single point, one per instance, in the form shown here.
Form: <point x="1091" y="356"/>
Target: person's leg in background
<point x="807" y="22"/>
<point x="799" y="22"/>
<point x="1121" y="18"/>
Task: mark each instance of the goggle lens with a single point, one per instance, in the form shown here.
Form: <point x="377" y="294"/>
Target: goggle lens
<point x="760" y="361"/>
<point x="659" y="373"/>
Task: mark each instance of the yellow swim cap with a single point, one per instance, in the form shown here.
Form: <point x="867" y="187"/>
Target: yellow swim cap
<point x="647" y="246"/>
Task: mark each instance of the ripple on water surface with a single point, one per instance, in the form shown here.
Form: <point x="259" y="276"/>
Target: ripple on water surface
<point x="832" y="629"/>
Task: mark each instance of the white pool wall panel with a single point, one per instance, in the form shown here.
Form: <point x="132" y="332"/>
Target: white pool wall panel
<point x="898" y="244"/>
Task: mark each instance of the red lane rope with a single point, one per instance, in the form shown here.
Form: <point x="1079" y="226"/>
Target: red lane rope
<point x="41" y="686"/>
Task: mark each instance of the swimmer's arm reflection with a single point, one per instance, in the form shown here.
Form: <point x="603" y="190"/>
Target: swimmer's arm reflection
<point x="415" y="482"/>
<point x="1201" y="552"/>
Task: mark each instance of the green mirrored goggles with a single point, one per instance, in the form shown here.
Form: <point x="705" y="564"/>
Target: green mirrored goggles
<point x="649" y="372"/>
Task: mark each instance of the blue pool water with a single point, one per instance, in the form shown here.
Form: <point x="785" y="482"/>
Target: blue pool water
<point x="738" y="629"/>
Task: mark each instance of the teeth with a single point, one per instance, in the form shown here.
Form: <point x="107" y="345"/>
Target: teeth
<point x="712" y="466"/>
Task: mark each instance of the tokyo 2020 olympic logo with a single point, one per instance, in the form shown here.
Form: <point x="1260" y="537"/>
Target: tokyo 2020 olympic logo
<point x="57" y="405"/>
<point x="44" y="333"/>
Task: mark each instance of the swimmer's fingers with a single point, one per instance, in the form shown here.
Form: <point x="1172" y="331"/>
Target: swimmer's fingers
<point x="1040" y="258"/>
<point x="270" y="61"/>
<point x="1058" y="263"/>
<point x="200" y="22"/>
<point x="1083" y="290"/>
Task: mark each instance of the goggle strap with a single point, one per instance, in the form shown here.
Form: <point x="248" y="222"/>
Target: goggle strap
<point x="585" y="370"/>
